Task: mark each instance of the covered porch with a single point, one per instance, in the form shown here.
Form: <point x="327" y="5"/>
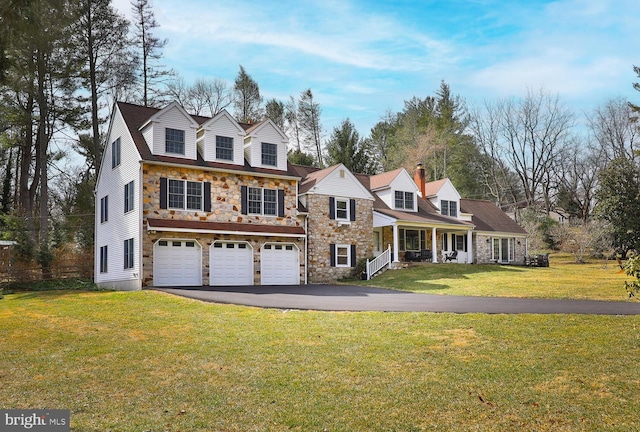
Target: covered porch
<point x="423" y="241"/>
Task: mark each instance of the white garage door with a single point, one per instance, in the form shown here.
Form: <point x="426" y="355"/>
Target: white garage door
<point x="280" y="264"/>
<point x="177" y="263"/>
<point x="231" y="264"/>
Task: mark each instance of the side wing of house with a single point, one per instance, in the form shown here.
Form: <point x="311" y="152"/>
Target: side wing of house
<point x="497" y="237"/>
<point x="118" y="210"/>
<point x="339" y="223"/>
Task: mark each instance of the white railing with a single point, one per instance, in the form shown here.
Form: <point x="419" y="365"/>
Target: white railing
<point x="378" y="263"/>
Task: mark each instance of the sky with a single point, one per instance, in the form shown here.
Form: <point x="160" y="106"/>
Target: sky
<point x="364" y="58"/>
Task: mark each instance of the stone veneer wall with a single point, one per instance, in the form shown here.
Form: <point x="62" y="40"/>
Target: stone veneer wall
<point x="323" y="231"/>
<point x="225" y="196"/>
<point x="225" y="207"/>
<point x="482" y="249"/>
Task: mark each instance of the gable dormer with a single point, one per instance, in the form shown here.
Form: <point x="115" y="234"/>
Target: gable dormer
<point x="396" y="189"/>
<point x="445" y="196"/>
<point x="221" y="139"/>
<point x="265" y="146"/>
<point x="171" y="132"/>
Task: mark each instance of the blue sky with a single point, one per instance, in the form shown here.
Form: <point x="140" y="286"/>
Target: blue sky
<point x="363" y="58"/>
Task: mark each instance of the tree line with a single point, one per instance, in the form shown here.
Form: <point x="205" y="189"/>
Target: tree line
<point x="64" y="63"/>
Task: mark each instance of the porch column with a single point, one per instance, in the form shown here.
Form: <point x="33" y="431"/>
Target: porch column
<point x="470" y="247"/>
<point x="434" y="245"/>
<point x="396" y="242"/>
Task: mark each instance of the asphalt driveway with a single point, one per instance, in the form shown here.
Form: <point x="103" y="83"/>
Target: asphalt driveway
<point x="357" y="298"/>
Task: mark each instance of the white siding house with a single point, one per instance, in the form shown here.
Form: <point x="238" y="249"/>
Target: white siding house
<point x="116" y="224"/>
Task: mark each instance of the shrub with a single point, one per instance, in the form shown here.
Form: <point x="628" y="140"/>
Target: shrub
<point x="632" y="268"/>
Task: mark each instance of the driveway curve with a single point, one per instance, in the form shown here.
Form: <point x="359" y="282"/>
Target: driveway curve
<point x="358" y="298"/>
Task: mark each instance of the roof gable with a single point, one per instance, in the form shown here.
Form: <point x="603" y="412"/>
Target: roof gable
<point x="157" y="117"/>
<point x="223" y="116"/>
<point x="337" y="180"/>
<point x="268" y="123"/>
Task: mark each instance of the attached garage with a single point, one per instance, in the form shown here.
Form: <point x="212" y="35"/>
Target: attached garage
<point x="231" y="263"/>
<point x="280" y="264"/>
<point x="177" y="263"/>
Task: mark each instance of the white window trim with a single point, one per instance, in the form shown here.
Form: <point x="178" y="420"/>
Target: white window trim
<point x="347" y="209"/>
<point x="348" y="248"/>
<point x="404" y="195"/>
<point x="262" y="213"/>
<point x="184" y="195"/>
<point x="184" y="142"/>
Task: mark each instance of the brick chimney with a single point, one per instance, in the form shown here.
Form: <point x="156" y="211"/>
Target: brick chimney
<point x="420" y="179"/>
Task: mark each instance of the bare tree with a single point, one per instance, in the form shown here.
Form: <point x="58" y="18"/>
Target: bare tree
<point x="293" y="125"/>
<point x="614" y="128"/>
<point x="529" y="136"/>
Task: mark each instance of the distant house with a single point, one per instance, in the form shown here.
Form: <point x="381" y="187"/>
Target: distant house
<point x="188" y="201"/>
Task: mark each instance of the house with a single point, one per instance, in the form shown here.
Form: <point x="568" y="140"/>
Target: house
<point x="188" y="201"/>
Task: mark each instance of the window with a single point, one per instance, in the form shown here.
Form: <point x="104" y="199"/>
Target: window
<point x="183" y="192"/>
<point x="413" y="240"/>
<point x="128" y="197"/>
<point x="128" y="254"/>
<point x="263" y="201"/>
<point x="343" y="255"/>
<point x="269" y="154"/>
<point x="449" y="208"/>
<point x="115" y="153"/>
<point x="404" y="200"/>
<point x="224" y="148"/>
<point x="459" y="242"/>
<point x="104" y="209"/>
<point x="342" y="209"/>
<point x="174" y="141"/>
<point x="104" y="259"/>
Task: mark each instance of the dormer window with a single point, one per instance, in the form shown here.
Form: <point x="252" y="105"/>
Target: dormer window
<point x="269" y="154"/>
<point x="404" y="200"/>
<point x="174" y="141"/>
<point x="224" y="148"/>
<point x="449" y="208"/>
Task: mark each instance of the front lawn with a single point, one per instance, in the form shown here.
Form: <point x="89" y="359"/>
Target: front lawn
<point x="597" y="280"/>
<point x="148" y="361"/>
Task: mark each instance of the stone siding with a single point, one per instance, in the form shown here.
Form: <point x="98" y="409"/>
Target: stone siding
<point x="225" y="196"/>
<point x="324" y="231"/>
<point x="225" y="207"/>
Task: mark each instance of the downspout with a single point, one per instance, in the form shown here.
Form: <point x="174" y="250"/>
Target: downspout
<point x="306" y="248"/>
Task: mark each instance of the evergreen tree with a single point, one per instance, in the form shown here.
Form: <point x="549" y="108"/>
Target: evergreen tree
<point x="618" y="202"/>
<point x="247" y="102"/>
<point x="345" y="146"/>
<point x="309" y="123"/>
<point x="151" y="72"/>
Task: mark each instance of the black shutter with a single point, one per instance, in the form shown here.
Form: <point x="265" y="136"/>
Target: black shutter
<point x="352" y="209"/>
<point x="281" y="202"/>
<point x="333" y="254"/>
<point x="163" y="192"/>
<point x="353" y="255"/>
<point x="243" y="200"/>
<point x="332" y="208"/>
<point x="207" y="196"/>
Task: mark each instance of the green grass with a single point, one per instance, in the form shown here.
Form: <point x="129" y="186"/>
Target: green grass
<point x="148" y="361"/>
<point x="596" y="280"/>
